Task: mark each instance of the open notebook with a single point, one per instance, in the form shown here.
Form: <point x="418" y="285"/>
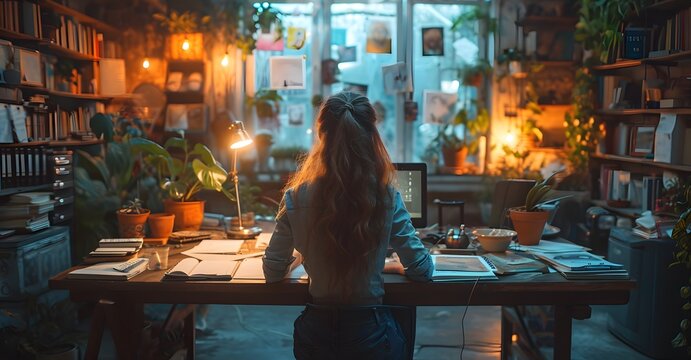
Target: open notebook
<point x="193" y="269"/>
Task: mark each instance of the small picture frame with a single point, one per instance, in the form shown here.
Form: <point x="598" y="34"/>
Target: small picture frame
<point x="642" y="140"/>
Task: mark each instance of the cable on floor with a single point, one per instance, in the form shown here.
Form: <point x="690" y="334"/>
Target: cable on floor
<point x="467" y="305"/>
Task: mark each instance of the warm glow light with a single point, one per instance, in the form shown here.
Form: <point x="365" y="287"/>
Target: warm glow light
<point x="514" y="337"/>
<point x="510" y="139"/>
<point x="225" y="60"/>
<point x="186" y="45"/>
<point x="241" y="144"/>
<point x="146" y="64"/>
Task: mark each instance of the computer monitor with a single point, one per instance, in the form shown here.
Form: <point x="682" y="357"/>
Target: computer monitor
<point x="411" y="182"/>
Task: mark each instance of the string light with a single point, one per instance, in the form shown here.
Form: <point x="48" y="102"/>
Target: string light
<point x="225" y="61"/>
<point x="146" y="64"/>
<point x="186" y="44"/>
<point x="510" y="139"/>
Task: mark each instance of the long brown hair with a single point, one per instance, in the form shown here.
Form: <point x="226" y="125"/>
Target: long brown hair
<point x="349" y="172"/>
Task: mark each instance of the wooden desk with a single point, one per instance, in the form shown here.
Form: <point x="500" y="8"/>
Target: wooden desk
<point x="126" y="299"/>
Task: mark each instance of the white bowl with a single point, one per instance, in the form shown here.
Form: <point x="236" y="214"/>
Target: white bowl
<point x="494" y="240"/>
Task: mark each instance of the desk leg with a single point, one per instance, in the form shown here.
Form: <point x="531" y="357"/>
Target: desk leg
<point x="98" y="324"/>
<point x="562" y="332"/>
<point x="506" y="335"/>
<point x="189" y="333"/>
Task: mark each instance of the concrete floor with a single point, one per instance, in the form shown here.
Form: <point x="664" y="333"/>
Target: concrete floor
<point x="265" y="332"/>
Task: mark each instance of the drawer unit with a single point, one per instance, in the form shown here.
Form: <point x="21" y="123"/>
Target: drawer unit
<point x="28" y="261"/>
<point x="61" y="214"/>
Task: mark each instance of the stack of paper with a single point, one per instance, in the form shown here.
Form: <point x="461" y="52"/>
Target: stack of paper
<point x="549" y="247"/>
<point x="581" y="265"/>
<point x="461" y="267"/>
<point x="106" y="271"/>
<point x="216" y="247"/>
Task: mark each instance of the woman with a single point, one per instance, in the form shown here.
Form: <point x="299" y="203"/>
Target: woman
<point x="340" y="212"/>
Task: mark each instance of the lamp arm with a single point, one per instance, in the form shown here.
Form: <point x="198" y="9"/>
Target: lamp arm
<point x="234" y="178"/>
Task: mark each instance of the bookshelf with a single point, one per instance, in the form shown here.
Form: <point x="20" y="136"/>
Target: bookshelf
<point x="70" y="47"/>
<point x="665" y="68"/>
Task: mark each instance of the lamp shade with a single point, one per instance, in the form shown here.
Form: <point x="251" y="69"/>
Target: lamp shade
<point x="239" y="138"/>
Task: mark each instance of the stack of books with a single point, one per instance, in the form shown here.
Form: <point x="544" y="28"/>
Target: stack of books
<point x="645" y="233"/>
<point x="582" y="265"/>
<point x="185" y="236"/>
<point x="115" y="250"/>
<point x="26" y="212"/>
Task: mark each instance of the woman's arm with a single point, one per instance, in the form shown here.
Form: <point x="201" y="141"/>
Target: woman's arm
<point x="414" y="257"/>
<point x="278" y="257"/>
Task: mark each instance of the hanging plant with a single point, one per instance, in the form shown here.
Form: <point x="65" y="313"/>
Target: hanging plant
<point x="681" y="234"/>
<point x="181" y="23"/>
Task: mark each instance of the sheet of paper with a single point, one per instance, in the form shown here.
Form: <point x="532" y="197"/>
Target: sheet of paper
<point x="5" y="127"/>
<point x="251" y="269"/>
<point x="546" y="246"/>
<point x="263" y="240"/>
<point x="221" y="257"/>
<point x="217" y="247"/>
<point x="18" y="116"/>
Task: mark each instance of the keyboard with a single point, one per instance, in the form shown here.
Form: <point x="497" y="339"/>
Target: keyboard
<point x="128" y="265"/>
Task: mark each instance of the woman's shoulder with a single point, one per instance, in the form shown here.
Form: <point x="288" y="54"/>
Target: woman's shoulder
<point x="298" y="197"/>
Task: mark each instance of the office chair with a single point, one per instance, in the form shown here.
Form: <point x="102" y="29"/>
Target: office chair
<point x="508" y="194"/>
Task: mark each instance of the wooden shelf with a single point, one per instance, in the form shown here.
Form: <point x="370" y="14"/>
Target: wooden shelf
<point x="630" y="112"/>
<point x="83" y="18"/>
<point x="13" y="35"/>
<point x="54" y="143"/>
<point x="61" y="51"/>
<point x="21" y="189"/>
<point x="627" y="212"/>
<point x="669" y="60"/>
<point x="668" y="5"/>
<point x="641" y="161"/>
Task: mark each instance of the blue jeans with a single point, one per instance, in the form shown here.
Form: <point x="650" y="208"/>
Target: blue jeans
<point x="348" y="332"/>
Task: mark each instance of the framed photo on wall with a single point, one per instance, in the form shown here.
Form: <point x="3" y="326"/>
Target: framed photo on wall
<point x="642" y="140"/>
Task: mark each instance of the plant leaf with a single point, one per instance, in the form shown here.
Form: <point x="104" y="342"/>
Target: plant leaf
<point x="211" y="177"/>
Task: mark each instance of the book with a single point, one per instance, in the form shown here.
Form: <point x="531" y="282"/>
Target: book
<point x="25" y="211"/>
<point x="103" y="258"/>
<point x="185" y="236"/>
<point x="512" y="263"/>
<point x="578" y="261"/>
<point x="546" y="246"/>
<point x="461" y="267"/>
<point x="105" y="271"/>
<point x="193" y="269"/>
<point x="122" y="242"/>
<point x="30" y="198"/>
<point x="33" y="224"/>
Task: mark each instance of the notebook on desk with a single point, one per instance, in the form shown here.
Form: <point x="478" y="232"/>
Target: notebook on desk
<point x="193" y="269"/>
<point x="106" y="271"/>
<point x="461" y="267"/>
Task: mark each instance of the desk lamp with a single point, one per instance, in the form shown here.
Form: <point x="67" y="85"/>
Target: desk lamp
<point x="239" y="138"/>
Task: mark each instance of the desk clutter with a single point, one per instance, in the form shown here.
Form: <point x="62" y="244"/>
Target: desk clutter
<point x="27" y="212"/>
<point x="115" y="250"/>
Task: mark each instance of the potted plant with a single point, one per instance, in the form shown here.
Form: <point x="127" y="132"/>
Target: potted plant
<point x="161" y="226"/>
<point x="266" y="103"/>
<point x="681" y="234"/>
<point x="473" y="74"/>
<point x="286" y="158"/>
<point x="529" y="220"/>
<point x="263" y="142"/>
<point x="183" y="176"/>
<point x="11" y="75"/>
<point x="455" y="145"/>
<point x="131" y="219"/>
<point x="514" y="58"/>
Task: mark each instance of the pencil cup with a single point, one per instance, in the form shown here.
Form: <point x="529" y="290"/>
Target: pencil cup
<point x="157" y="255"/>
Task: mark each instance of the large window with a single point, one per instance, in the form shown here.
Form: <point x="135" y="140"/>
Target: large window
<point x="363" y="39"/>
<point x="436" y="70"/>
<point x="358" y="38"/>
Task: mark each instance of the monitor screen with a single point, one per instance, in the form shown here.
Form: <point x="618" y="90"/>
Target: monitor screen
<point x="411" y="182"/>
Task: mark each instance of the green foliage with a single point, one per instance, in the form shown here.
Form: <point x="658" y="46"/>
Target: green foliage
<point x="250" y="196"/>
<point x="466" y="22"/>
<point x="582" y="133"/>
<point x="538" y="194"/>
<point x="39" y="328"/>
<point x="133" y="207"/>
<point x="473" y="128"/>
<point x="181" y="23"/>
<point x="469" y="73"/>
<point x="681" y="234"/>
<point x="289" y="152"/>
<point x="183" y="176"/>
<point x="267" y="102"/>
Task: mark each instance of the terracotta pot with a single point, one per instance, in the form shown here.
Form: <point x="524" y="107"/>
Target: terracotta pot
<point x="188" y="214"/>
<point x="132" y="225"/>
<point x="161" y="226"/>
<point x="454" y="158"/>
<point x="529" y="225"/>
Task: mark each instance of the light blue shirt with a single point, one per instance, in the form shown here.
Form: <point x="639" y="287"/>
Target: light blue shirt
<point x="291" y="233"/>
